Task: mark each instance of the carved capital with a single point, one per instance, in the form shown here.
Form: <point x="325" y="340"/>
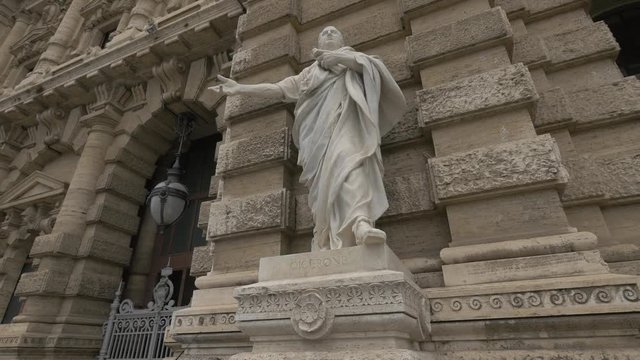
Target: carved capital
<point x="106" y="110"/>
<point x="172" y="75"/>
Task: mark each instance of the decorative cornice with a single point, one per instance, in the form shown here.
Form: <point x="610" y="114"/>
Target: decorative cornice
<point x="138" y="50"/>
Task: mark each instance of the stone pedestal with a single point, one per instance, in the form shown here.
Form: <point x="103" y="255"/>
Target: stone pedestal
<point x="352" y="303"/>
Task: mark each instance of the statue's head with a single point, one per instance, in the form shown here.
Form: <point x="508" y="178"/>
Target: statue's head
<point x="330" y="38"/>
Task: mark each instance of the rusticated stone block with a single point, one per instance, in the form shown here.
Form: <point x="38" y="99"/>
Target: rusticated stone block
<point x="124" y="183"/>
<point x="109" y="213"/>
<point x="408" y="194"/>
<point x="279" y="47"/>
<point x="621" y="176"/>
<point x="470" y="34"/>
<point x="42" y="282"/>
<point x="201" y="261"/>
<point x="243" y="106"/>
<point x="312" y="9"/>
<point x="304" y="217"/>
<point x="586" y="179"/>
<point x="552" y="110"/>
<point x="513" y="8"/>
<point x="55" y="244"/>
<point x="606" y="103"/>
<point x="203" y="214"/>
<point x="406" y="129"/>
<point x="530" y="50"/>
<point x="365" y="26"/>
<point x="423" y="5"/>
<point x="257" y="212"/>
<point x="135" y="162"/>
<point x="107" y="244"/>
<point x="539" y="7"/>
<point x="254" y="151"/>
<point x="93" y="284"/>
<point x="580" y="45"/>
<point x="492" y="91"/>
<point x="501" y="168"/>
<point x="266" y="13"/>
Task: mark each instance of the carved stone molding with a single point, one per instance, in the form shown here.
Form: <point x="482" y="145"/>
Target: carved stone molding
<point x="172" y="75"/>
<point x="574" y="300"/>
<point x="52" y="121"/>
<point x="210" y="322"/>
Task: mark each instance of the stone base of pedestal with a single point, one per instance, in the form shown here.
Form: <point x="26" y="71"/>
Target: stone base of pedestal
<point x="374" y="310"/>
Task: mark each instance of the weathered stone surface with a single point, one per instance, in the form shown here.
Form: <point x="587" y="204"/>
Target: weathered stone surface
<point x="304" y="217"/>
<point x="42" y="282"/>
<point x="365" y="26"/>
<point x="617" y="101"/>
<point x="552" y="110"/>
<point x="580" y="241"/>
<point x="94" y="285"/>
<point x="257" y="212"/>
<point x="549" y="7"/>
<point x="406" y="129"/>
<point x="518" y="164"/>
<point x="408" y="194"/>
<point x="312" y="10"/>
<point x="488" y="92"/>
<point x="473" y="33"/>
<point x="587" y="179"/>
<point x="524" y="268"/>
<point x="280" y="47"/>
<point x="621" y="176"/>
<point x="513" y="8"/>
<point x="422" y="5"/>
<point x="108" y="212"/>
<point x="242" y="106"/>
<point x="530" y="50"/>
<point x="123" y="182"/>
<point x="580" y="45"/>
<point x="339" y="261"/>
<point x="269" y="12"/>
<point x="55" y="244"/>
<point x="203" y="214"/>
<point x="254" y="151"/>
<point x="201" y="261"/>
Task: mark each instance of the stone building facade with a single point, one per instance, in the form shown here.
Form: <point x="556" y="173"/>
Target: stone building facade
<point x="513" y="178"/>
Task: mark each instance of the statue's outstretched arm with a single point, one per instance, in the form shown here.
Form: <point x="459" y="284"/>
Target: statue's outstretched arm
<point x="231" y="87"/>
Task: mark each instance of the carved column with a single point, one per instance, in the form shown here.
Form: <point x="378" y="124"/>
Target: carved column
<point x="17" y="31"/>
<point x="59" y="292"/>
<point x="59" y="43"/>
<point x="139" y="19"/>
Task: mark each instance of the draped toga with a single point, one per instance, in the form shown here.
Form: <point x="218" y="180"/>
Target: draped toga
<point x="340" y="116"/>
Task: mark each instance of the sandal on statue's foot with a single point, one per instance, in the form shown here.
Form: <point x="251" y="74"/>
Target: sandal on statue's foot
<point x="368" y="235"/>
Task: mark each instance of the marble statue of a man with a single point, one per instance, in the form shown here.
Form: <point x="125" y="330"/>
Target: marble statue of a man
<point x="345" y="101"/>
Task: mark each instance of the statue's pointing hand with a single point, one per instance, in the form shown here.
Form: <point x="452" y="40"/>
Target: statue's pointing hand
<point x="226" y="86"/>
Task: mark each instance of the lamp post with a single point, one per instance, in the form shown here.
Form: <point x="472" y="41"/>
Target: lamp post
<point x="168" y="199"/>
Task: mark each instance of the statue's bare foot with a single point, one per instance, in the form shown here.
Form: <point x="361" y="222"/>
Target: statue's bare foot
<point x="368" y="235"/>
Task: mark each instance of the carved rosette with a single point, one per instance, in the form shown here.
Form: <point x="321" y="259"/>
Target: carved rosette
<point x="310" y="317"/>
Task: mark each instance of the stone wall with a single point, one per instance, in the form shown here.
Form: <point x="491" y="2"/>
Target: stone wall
<point x="516" y="161"/>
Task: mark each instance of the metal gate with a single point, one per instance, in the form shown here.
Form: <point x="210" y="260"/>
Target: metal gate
<point x="132" y="334"/>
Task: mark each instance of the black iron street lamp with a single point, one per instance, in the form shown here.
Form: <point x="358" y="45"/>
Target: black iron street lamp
<point x="168" y="199"/>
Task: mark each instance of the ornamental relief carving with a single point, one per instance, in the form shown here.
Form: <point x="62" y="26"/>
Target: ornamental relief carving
<point x="370" y="294"/>
<point x="33" y="44"/>
<point x="606" y="295"/>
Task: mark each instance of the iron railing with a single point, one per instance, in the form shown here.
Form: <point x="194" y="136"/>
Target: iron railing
<point x="133" y="334"/>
